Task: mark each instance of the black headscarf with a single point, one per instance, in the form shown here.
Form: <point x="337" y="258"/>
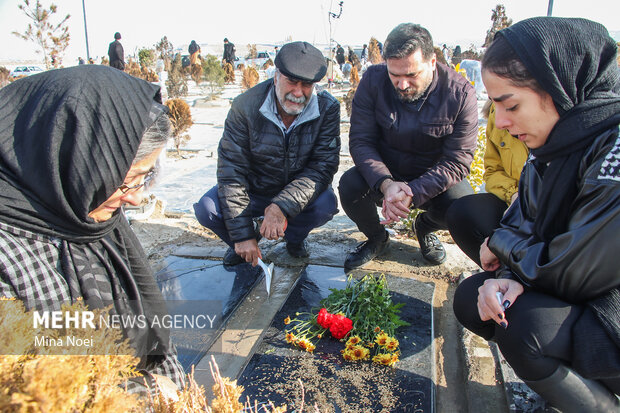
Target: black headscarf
<point x="68" y="138"/>
<point x="574" y="61"/>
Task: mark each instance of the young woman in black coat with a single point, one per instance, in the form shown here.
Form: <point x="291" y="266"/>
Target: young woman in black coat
<point x="550" y="295"/>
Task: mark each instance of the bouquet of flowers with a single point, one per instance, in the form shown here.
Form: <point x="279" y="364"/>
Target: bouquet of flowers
<point x="363" y="311"/>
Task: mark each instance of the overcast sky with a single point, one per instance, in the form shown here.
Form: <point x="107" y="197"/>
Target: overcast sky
<point x="142" y="23"/>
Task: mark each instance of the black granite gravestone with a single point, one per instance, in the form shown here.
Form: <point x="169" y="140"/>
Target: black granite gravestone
<point x="200" y="295"/>
<point x="276" y="370"/>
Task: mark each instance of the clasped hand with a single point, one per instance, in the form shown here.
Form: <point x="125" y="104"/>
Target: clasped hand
<point x="397" y="199"/>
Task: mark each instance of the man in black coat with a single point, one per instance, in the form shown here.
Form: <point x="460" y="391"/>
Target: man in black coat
<point x="229" y="52"/>
<point x="276" y="159"/>
<point x="414" y="126"/>
<point x="116" y="53"/>
<point x="340" y="56"/>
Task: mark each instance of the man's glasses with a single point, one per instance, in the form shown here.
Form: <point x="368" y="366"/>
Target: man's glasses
<point x="148" y="178"/>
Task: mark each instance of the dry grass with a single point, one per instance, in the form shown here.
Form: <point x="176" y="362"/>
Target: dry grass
<point x="34" y="380"/>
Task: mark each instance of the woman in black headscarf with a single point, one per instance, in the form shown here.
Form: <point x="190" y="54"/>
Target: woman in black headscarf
<point x="550" y="297"/>
<point x="75" y="145"/>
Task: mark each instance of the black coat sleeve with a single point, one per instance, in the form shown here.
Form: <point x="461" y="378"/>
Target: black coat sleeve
<point x="578" y="264"/>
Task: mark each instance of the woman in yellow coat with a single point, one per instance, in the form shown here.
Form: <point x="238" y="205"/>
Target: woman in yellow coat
<point x="473" y="218"/>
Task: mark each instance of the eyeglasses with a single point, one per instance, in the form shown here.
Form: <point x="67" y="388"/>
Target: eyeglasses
<point x="145" y="183"/>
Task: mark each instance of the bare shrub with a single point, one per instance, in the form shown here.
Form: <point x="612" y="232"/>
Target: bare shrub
<point x="230" y="73"/>
<point x="252" y="53"/>
<point x="250" y="78"/>
<point x="181" y="119"/>
<point x="196" y="72"/>
<point x="374" y="55"/>
<point x="4" y="76"/>
<point x="355" y="77"/>
<point x="348" y="100"/>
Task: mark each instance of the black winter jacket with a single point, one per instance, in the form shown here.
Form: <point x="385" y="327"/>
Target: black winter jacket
<point x="257" y="157"/>
<point x="581" y="263"/>
<point x="116" y="55"/>
<point x="429" y="144"/>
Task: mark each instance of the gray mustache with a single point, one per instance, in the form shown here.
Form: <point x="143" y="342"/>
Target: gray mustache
<point x="294" y="99"/>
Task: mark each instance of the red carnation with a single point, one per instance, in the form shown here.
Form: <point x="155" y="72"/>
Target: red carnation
<point x="324" y="318"/>
<point x="340" y="326"/>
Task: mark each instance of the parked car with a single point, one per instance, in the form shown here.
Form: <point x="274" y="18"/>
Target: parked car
<point x="258" y="61"/>
<point x="26" y="71"/>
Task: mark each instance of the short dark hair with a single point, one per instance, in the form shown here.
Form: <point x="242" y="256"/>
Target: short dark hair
<point x="407" y="38"/>
<point x="502" y="60"/>
<point x="117" y="35"/>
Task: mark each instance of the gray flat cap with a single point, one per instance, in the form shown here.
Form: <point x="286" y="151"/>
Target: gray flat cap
<point x="301" y="60"/>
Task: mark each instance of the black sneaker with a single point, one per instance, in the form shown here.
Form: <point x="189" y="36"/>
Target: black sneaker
<point x="298" y="250"/>
<point x="366" y="251"/>
<point x="231" y="258"/>
<point x="431" y="247"/>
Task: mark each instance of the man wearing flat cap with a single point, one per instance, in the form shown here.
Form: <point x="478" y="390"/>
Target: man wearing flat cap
<point x="276" y="159"/>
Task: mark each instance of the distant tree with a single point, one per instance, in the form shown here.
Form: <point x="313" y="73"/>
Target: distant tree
<point x="213" y="73"/>
<point x="181" y="118"/>
<point x="165" y="50"/>
<point x="147" y="57"/>
<point x="176" y="83"/>
<point x="499" y="21"/>
<point x="51" y="38"/>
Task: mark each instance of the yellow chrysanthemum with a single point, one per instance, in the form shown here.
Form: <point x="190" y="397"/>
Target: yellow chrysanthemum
<point x="385" y="359"/>
<point x="353" y="341"/>
<point x="319" y="336"/>
<point x="305" y="344"/>
<point x="290" y="338"/>
<point x="377" y="329"/>
<point x="287" y="320"/>
<point x="382" y="339"/>
<point x="347" y="356"/>
<point x="392" y="344"/>
<point x="310" y="347"/>
<point x="359" y="353"/>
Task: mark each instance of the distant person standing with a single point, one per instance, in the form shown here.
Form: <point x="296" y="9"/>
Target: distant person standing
<point x="81" y="61"/>
<point x="340" y="56"/>
<point x="194" y="51"/>
<point x="456" y="55"/>
<point x="229" y="52"/>
<point x="116" y="53"/>
<point x="275" y="50"/>
<point x="446" y="53"/>
<point x="364" y="55"/>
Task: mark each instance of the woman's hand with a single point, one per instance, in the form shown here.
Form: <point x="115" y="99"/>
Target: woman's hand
<point x="489" y="307"/>
<point x="488" y="260"/>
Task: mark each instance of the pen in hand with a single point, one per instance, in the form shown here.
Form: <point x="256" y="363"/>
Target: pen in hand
<point x="504" y="305"/>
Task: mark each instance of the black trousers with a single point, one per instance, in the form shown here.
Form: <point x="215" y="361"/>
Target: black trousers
<point x="540" y="329"/>
<point x="360" y="202"/>
<point x="473" y="218"/>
